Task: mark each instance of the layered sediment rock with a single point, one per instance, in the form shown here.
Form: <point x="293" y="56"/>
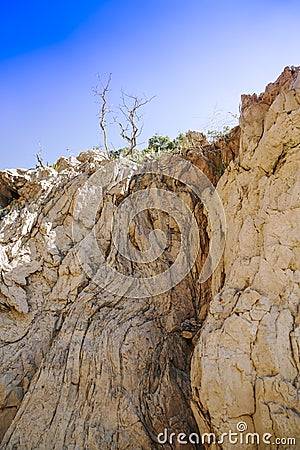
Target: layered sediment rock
<point x="95" y="352"/>
<point x="246" y="364"/>
<point x="83" y="364"/>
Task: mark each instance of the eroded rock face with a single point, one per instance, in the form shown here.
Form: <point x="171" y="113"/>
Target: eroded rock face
<point x="88" y="359"/>
<point x="82" y="364"/>
<point x="8" y="186"/>
<point x="246" y="364"/>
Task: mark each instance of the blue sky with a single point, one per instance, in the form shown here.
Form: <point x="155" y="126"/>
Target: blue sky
<point x="196" y="56"/>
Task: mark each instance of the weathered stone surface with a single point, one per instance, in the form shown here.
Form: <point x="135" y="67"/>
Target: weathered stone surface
<point x="84" y="367"/>
<point x="8" y="186"/>
<point x="86" y="363"/>
<point x="245" y="366"/>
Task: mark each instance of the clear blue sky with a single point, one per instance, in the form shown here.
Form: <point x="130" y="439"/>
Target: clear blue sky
<point x="196" y="56"/>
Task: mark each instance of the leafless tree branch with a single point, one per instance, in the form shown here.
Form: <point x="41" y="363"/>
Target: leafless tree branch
<point x="105" y="109"/>
<point x="39" y="160"/>
<point x="130" y="107"/>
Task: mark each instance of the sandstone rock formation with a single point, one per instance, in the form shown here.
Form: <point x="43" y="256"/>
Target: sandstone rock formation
<point x="84" y="367"/>
<point x="246" y="363"/>
<point x="88" y="359"/>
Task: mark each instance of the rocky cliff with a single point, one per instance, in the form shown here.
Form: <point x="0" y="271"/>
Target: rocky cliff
<point x="141" y="308"/>
<point x="246" y="363"/>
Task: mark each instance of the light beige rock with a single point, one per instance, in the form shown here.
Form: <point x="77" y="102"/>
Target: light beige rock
<point x="86" y="365"/>
<point x="245" y="366"/>
<point x="83" y="367"/>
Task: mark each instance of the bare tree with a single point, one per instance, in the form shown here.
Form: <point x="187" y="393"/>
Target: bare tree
<point x="105" y="109"/>
<point x="130" y="107"/>
<point x="39" y="157"/>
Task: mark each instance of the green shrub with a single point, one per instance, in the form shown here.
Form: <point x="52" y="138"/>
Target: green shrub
<point x="216" y="135"/>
